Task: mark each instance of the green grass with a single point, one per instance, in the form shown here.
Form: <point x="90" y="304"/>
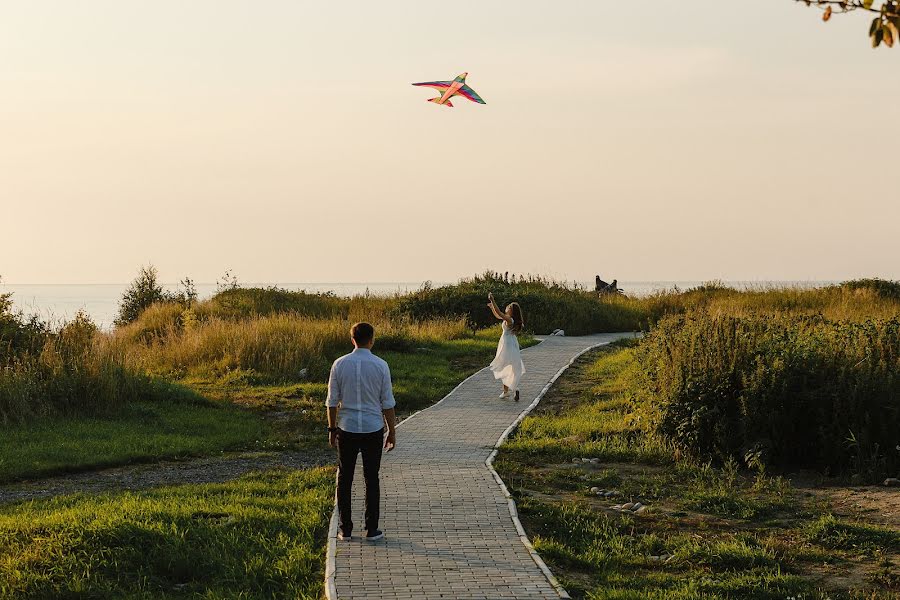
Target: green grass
<point x="240" y="415"/>
<point x="832" y="532"/>
<point x="421" y="375"/>
<point x="729" y="534"/>
<point x="601" y="557"/>
<point x="260" y="536"/>
<point x="597" y="422"/>
<point x="800" y="391"/>
<point x="139" y="432"/>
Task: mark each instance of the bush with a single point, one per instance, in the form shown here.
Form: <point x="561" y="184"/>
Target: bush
<point x="546" y="305"/>
<point x="889" y="290"/>
<point x="18" y="335"/>
<point x="235" y="303"/>
<point x="74" y="373"/>
<point x="145" y="291"/>
<point x="790" y="390"/>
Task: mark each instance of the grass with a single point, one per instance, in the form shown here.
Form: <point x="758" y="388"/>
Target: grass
<point x="835" y="533"/>
<point x="139" y="432"/>
<point x="730" y="535"/>
<point x="710" y="532"/>
<point x="232" y="412"/>
<point x="598" y="422"/>
<point x="260" y="536"/>
<point x="422" y="376"/>
<point x="797" y="390"/>
<point x="277" y="348"/>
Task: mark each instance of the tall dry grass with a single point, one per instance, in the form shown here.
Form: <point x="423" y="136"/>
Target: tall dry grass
<point x="281" y="346"/>
<point x="786" y="389"/>
<point x="852" y="301"/>
<point x="77" y="371"/>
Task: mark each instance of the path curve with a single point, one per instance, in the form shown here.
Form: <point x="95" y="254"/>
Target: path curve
<point x="451" y="527"/>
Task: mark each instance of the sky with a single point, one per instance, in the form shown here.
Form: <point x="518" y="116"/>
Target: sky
<point x="657" y="140"/>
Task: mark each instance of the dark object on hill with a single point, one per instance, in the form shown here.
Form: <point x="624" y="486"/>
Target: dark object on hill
<point x="601" y="287"/>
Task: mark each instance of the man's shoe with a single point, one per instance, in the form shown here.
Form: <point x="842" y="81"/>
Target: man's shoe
<point x="374" y="536"/>
<point x="344" y="537"/>
<point x="517" y="395"/>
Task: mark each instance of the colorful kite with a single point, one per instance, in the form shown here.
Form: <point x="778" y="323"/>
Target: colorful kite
<point x="448" y="89"/>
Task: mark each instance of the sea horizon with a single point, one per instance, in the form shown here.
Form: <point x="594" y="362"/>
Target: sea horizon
<point x="57" y="302"/>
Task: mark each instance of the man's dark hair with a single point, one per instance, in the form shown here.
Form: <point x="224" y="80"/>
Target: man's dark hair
<point x="362" y="333"/>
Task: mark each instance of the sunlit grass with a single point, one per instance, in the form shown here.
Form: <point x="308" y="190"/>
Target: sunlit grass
<point x="260" y="536"/>
<point x="710" y="532"/>
<point x="139" y="432"/>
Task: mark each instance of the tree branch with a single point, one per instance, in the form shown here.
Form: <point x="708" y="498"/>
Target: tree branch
<point x="885" y="26"/>
<point x="887" y="8"/>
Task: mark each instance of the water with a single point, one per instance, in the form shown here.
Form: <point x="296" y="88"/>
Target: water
<point x="58" y="302"/>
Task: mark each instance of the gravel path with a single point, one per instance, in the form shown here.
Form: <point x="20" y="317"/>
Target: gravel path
<point x="138" y="477"/>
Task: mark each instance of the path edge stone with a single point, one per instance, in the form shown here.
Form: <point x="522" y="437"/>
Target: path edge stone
<point x="513" y="512"/>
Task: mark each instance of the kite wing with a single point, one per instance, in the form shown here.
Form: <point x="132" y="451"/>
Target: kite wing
<point x="470" y="94"/>
<point x="438" y="85"/>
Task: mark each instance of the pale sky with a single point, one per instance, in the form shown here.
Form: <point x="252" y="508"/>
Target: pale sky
<point x="282" y="139"/>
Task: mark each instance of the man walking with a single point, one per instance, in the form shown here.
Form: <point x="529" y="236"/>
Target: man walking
<point x="360" y="400"/>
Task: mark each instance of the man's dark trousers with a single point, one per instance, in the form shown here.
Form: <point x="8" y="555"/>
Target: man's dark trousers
<point x="349" y="445"/>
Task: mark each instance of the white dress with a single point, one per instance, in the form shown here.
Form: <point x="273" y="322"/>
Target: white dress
<point x="507" y="365"/>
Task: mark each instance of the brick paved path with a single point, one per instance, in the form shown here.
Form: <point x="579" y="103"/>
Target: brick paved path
<point x="447" y="520"/>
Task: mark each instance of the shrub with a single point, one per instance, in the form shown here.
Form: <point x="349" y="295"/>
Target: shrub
<point x="882" y="288"/>
<point x="75" y="372"/>
<point x="144" y="291"/>
<point x="18" y="335"/>
<point x="235" y="303"/>
<point x="546" y="304"/>
<point x="794" y="390"/>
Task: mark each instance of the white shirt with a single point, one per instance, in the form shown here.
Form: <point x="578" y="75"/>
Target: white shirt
<point x="360" y="384"/>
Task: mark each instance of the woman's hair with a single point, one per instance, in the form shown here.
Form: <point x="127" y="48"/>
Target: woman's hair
<point x="518" y="319"/>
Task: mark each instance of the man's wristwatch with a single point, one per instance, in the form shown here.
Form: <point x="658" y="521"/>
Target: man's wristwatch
<point x="332" y="429"/>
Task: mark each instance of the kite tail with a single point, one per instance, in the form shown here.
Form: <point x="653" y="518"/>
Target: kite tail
<point x="438" y="101"/>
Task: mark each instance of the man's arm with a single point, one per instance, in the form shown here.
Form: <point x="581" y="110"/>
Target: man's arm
<point x="332" y="402"/>
<point x="387" y="407"/>
<point x="391" y="418"/>
<point x="332" y="426"/>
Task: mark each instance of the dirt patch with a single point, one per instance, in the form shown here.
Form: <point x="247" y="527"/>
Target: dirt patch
<point x="875" y="505"/>
<point x="203" y="470"/>
<point x="872" y="504"/>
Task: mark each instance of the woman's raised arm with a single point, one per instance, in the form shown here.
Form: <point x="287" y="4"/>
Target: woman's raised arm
<point x="496" y="310"/>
